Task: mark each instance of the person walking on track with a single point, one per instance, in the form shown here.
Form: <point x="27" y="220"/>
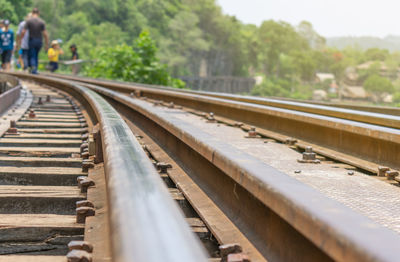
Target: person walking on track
<point x="7" y="45"/>
<point x="23" y="43"/>
<point x="37" y="31"/>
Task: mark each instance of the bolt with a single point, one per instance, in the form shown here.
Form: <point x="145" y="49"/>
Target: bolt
<point x="84" y="203"/>
<point x="40" y="101"/>
<point x="86" y="165"/>
<point x="85" y="155"/>
<point x="291" y="141"/>
<point x="80" y="178"/>
<point x="391" y="174"/>
<point x="132" y="94"/>
<point x="309" y="154"/>
<point x="85" y="136"/>
<point x="157" y="103"/>
<point x="83" y="146"/>
<point x="80" y="245"/>
<point x="83" y="184"/>
<point x="79" y="256"/>
<point x="83" y="212"/>
<point x="350" y="173"/>
<point x="32" y="114"/>
<point x="13" y="128"/>
<point x="382" y="170"/>
<point x="84" y="130"/>
<point x="163" y="167"/>
<point x="48" y="98"/>
<point x="297" y="171"/>
<point x="238" y="124"/>
<point x="227" y="249"/>
<point x="252" y="132"/>
<point x="171" y="105"/>
<point x="84" y="124"/>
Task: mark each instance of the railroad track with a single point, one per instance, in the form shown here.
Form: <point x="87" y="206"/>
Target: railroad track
<point x="365" y="140"/>
<point x="229" y="195"/>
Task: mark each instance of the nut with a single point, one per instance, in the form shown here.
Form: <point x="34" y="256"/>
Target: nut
<point x="83" y="184"/>
<point x="382" y="170"/>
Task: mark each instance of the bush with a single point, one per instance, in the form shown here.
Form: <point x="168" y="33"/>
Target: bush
<point x="378" y="85"/>
<point x="137" y="63"/>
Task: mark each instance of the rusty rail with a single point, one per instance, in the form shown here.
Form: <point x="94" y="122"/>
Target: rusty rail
<point x="313" y="226"/>
<point x="146" y="224"/>
<point x="10" y="96"/>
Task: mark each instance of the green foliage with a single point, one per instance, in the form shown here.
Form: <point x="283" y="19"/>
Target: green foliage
<point x="137" y="63"/>
<point x="377" y="84"/>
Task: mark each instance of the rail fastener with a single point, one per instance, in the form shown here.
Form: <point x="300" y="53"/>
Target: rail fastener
<point x="79" y="256"/>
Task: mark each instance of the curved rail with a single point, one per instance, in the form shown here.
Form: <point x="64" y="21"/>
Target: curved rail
<point x="146" y="224"/>
<point x="388" y="117"/>
<point x="334" y="229"/>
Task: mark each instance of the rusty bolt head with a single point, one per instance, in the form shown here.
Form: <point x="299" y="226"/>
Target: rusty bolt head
<point x="83" y="212"/>
<point x="309" y="156"/>
<point x="48" y="99"/>
<point x="171" y="105"/>
<point x="84" y="124"/>
<point x="391" y="174"/>
<point x="84" y="203"/>
<point x="86" y="165"/>
<point x="83" y="146"/>
<point x="252" y="132"/>
<point x="40" y="102"/>
<point x="163" y="167"/>
<point x="85" y="183"/>
<point x="350" y="173"/>
<point x="79" y="256"/>
<point x="291" y="141"/>
<point x="32" y="114"/>
<point x="297" y="171"/>
<point x="84" y="130"/>
<point x="308" y="149"/>
<point x="85" y="136"/>
<point x="85" y="155"/>
<point x="382" y="170"/>
<point x="13" y="124"/>
<point x="238" y="124"/>
<point x="80" y="245"/>
<point x="240" y="257"/>
<point x="132" y="94"/>
<point x="80" y="178"/>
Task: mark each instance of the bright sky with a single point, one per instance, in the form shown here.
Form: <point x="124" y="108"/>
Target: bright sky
<point x="329" y="17"/>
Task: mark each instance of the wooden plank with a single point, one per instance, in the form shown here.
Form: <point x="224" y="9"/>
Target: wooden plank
<point x="51" y="130"/>
<point x="47" y="125"/>
<point x="33" y="258"/>
<point x="40" y="161"/>
<point x="54" y="170"/>
<point x="50" y="120"/>
<point x="43" y="136"/>
<point x="8" y="142"/>
<point x="39" y="151"/>
<point x="40" y="192"/>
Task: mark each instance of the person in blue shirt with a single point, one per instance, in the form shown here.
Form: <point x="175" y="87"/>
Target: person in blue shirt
<point x="7" y="45"/>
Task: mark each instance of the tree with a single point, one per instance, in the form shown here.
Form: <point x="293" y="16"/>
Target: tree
<point x="137" y="63"/>
<point x="378" y="85"/>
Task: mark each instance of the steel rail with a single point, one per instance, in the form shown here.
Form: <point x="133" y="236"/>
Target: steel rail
<point x="9" y="97"/>
<point x="379" y="145"/>
<point x="318" y="228"/>
<point x="374" y="115"/>
<point x="146" y="224"/>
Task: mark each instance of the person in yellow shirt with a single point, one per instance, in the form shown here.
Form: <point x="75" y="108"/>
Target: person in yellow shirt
<point x="53" y="54"/>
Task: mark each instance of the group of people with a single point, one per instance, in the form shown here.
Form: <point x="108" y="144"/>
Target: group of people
<point x="31" y="36"/>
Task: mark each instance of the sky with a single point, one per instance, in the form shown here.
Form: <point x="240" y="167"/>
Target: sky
<point x="330" y="18"/>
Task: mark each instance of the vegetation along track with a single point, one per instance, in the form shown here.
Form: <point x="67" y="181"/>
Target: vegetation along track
<point x="238" y="198"/>
<point x="362" y="139"/>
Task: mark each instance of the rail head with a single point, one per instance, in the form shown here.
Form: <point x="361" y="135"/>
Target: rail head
<point x="145" y="222"/>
